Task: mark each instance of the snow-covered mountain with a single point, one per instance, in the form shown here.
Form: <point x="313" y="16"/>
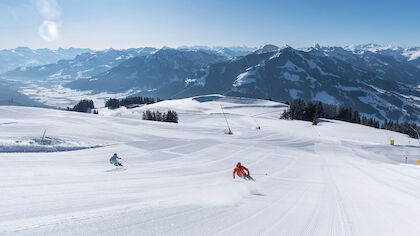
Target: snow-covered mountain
<point x="401" y="53"/>
<point x="312" y="74"/>
<point x="25" y="57"/>
<point x="391" y="63"/>
<point x="266" y="48"/>
<point x="229" y="52"/>
<point x="149" y="72"/>
<point x="81" y="67"/>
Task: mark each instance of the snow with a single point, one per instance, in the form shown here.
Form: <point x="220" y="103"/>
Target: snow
<point x="291" y="66"/>
<point x="59" y="76"/>
<point x="39" y="144"/>
<point x="267" y="48"/>
<point x="375" y="88"/>
<point x="375" y="48"/>
<point x="202" y="80"/>
<point x="349" y="88"/>
<point x="61" y="97"/>
<point x="380" y="71"/>
<point x="292" y="77"/>
<point x="374" y="100"/>
<point x="80" y="74"/>
<point x="313" y="65"/>
<point x="380" y="61"/>
<point x="325" y="98"/>
<point x="246" y="77"/>
<point x="335" y="178"/>
<point x="411" y="54"/>
<point x="312" y="79"/>
<point x="399" y="53"/>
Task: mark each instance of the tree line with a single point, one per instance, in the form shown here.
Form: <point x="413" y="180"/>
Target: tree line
<point x="311" y="111"/>
<point x="84" y="105"/>
<point x="170" y="116"/>
<point x="114" y="103"/>
<point x="87" y="105"/>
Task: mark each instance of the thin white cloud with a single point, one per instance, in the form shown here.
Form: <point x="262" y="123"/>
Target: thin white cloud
<point x="49" y="30"/>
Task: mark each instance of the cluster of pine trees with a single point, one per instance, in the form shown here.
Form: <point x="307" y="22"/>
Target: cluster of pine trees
<point x="311" y="111"/>
<point x="116" y="103"/>
<point x="170" y="116"/>
<point x="84" y="105"/>
<point x="405" y="128"/>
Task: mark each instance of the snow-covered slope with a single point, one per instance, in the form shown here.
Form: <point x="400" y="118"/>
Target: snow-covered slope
<point x="332" y="179"/>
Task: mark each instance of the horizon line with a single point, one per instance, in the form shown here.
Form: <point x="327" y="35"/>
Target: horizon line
<point x="210" y="46"/>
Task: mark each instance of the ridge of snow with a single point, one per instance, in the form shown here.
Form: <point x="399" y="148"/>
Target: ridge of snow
<point x="411" y="55"/>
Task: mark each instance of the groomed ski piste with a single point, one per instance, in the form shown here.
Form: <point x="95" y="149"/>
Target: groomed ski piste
<point x="335" y="178"/>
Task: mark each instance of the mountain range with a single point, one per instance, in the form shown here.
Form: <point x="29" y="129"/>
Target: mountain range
<point x="82" y="66"/>
<point x="377" y="85"/>
<point x="382" y="82"/>
<point x="149" y="72"/>
<point x="25" y="57"/>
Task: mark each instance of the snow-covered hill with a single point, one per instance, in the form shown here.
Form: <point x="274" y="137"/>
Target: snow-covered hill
<point x="332" y="179"/>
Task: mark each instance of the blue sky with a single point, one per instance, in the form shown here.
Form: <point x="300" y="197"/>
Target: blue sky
<point x="103" y="24"/>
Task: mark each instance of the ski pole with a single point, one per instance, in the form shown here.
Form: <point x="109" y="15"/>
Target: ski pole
<point x="260" y="174"/>
<point x="125" y="160"/>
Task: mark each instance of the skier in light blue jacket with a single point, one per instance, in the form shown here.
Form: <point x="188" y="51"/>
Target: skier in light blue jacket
<point x="114" y="160"/>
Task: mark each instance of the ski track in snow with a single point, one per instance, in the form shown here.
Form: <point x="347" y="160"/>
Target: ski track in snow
<point x="332" y="179"/>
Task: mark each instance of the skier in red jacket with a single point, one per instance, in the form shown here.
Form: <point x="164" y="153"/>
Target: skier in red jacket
<point x="240" y="171"/>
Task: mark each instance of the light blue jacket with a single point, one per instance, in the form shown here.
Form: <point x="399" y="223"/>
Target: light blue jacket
<point x="113" y="159"/>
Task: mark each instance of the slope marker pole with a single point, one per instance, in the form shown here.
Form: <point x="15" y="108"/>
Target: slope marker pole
<point x="43" y="136"/>
<point x="227" y="123"/>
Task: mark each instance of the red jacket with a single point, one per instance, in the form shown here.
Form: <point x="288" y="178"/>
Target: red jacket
<point x="240" y="171"/>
